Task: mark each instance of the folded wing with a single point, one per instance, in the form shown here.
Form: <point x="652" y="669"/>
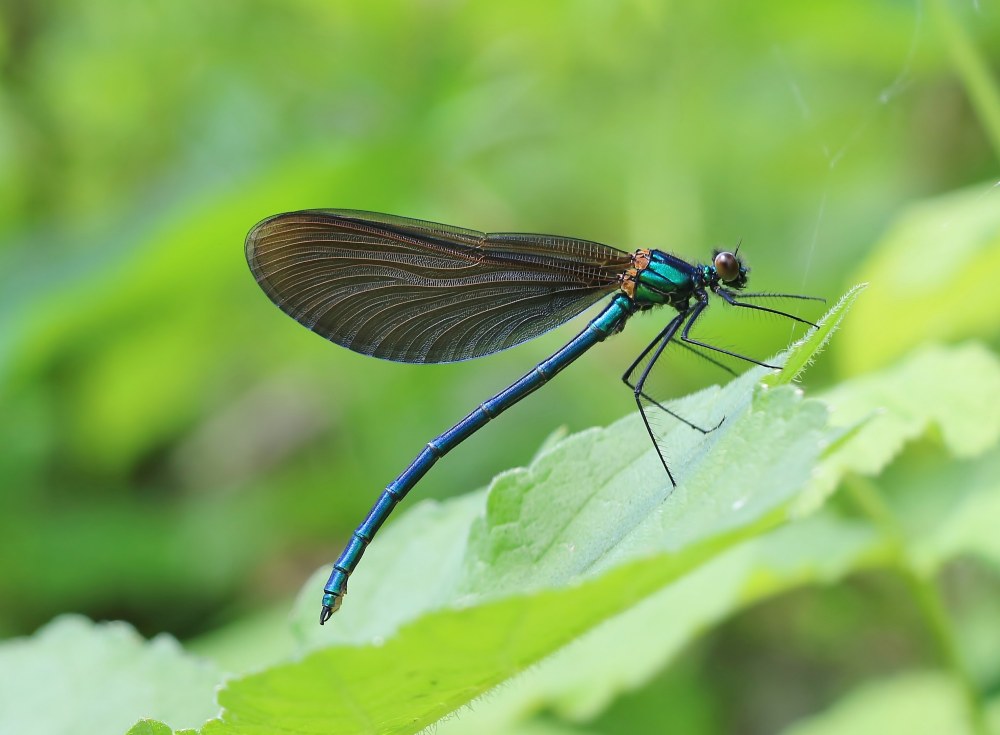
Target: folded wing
<point x="413" y="291"/>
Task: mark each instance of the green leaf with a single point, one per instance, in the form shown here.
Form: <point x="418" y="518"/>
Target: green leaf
<point x="940" y="388"/>
<point x="933" y="277"/>
<point x="421" y="560"/>
<point x="801" y="355"/>
<point x="149" y="727"/>
<point x="74" y="676"/>
<point x="634" y="646"/>
<point x="690" y="561"/>
<point x="820" y="549"/>
<point x="581" y="535"/>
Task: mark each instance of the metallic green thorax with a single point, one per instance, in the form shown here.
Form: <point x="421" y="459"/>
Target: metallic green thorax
<point x="666" y="280"/>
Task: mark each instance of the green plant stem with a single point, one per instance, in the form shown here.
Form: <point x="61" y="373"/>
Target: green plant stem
<point x="926" y="594"/>
<point x="972" y="69"/>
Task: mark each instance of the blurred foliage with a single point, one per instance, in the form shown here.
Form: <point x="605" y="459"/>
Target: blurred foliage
<point x="176" y="453"/>
<point x="156" y="678"/>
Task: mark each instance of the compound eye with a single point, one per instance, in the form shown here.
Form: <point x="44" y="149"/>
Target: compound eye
<point x="727" y="266"/>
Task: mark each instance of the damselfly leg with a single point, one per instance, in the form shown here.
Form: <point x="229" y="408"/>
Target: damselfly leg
<point x="683" y="323"/>
<point x="657" y="346"/>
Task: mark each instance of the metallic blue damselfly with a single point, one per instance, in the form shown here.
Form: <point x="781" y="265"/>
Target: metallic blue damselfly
<point x="413" y="291"/>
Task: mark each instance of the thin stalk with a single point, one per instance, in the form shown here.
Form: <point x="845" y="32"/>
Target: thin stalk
<point x="972" y="69"/>
<point x="926" y="594"/>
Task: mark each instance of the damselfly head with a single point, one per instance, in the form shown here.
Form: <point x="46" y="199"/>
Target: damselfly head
<point x="729" y="269"/>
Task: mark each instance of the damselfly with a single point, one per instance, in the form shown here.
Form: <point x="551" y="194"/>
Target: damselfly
<point x="413" y="291"/>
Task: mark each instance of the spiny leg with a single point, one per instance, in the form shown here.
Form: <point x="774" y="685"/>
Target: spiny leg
<point x="660" y="343"/>
<point x="708" y="358"/>
<point x="669" y="329"/>
<point x="766" y="295"/>
<point x="693" y="317"/>
<point x="732" y="299"/>
<point x="642" y="411"/>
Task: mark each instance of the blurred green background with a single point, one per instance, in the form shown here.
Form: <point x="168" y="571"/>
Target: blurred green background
<point x="177" y="453"/>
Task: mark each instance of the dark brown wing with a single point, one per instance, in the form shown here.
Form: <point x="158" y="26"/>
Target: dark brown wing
<point x="413" y="291"/>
